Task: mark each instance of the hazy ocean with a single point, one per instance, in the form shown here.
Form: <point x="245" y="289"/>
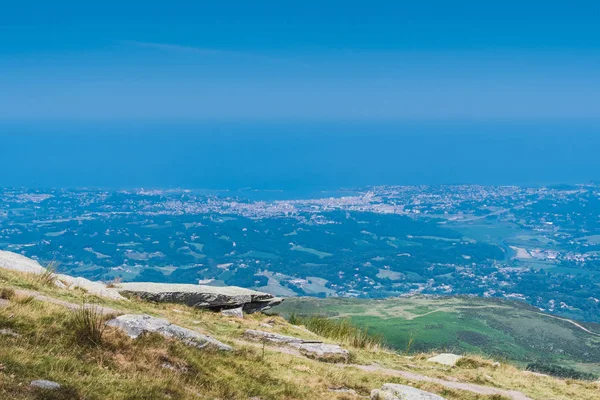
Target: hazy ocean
<point x="300" y="159"/>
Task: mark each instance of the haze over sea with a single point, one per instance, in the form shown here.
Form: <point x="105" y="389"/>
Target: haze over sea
<point x="289" y="159"/>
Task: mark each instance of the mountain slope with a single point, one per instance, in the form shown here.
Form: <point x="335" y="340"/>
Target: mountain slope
<point x="39" y="339"/>
<point x="497" y="328"/>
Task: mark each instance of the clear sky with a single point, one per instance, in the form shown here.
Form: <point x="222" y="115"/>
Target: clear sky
<point x="306" y="60"/>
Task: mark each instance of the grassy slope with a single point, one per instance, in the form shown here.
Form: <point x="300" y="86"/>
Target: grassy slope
<point x="496" y="328"/>
<point x="121" y="368"/>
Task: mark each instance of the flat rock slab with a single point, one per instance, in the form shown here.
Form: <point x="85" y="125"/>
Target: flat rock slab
<point x="135" y="325"/>
<point x="394" y="391"/>
<point x="201" y="296"/>
<point x="310" y="348"/>
<point x="445" y="359"/>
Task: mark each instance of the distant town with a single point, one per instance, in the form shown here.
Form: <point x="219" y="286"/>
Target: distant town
<point x="540" y="245"/>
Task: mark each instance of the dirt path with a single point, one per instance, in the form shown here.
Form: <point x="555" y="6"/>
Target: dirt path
<point x="583" y="328"/>
<point x="470" y="387"/>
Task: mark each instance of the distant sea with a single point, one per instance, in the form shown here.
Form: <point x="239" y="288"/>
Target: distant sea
<point x="295" y="159"/>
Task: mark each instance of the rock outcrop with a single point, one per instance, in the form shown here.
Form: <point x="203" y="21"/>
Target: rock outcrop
<point x="135" y="325"/>
<point x="20" y="263"/>
<point x="310" y="348"/>
<point x="394" y="391"/>
<point x="17" y="262"/>
<point x="201" y="296"/>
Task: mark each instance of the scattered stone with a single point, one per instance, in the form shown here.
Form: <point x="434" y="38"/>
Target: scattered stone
<point x="94" y="288"/>
<point x="233" y="312"/>
<point x="310" y="348"/>
<point x="8" y="332"/>
<point x="496" y="364"/>
<point x="394" y="391"/>
<point x="44" y="384"/>
<point x="343" y="390"/>
<point x="445" y="359"/>
<point x="201" y="296"/>
<point x="276" y="338"/>
<point x="325" y="352"/>
<point x="4" y="303"/>
<point x="268" y="326"/>
<point x="135" y="325"/>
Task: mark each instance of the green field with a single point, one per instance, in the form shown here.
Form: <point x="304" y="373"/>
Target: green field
<point x="504" y="330"/>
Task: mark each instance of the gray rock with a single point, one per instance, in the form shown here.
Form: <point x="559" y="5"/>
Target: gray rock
<point x="94" y="288"/>
<point x="134" y="325"/>
<point x="325" y="352"/>
<point x="8" y="332"/>
<point x="310" y="348"/>
<point x="445" y="359"/>
<point x="44" y="384"/>
<point x="4" y="303"/>
<point x="201" y="296"/>
<point x="275" y="338"/>
<point x="394" y="391"/>
<point x="233" y="312"/>
<point x="17" y="262"/>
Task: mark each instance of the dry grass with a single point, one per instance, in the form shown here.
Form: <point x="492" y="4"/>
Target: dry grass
<point x="88" y="324"/>
<point x="152" y="367"/>
<point x="7" y="293"/>
<point x="48" y="277"/>
<point x="339" y="329"/>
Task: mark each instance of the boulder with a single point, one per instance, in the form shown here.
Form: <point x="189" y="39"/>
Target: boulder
<point x="445" y="359"/>
<point x="201" y="296"/>
<point x="394" y="391"/>
<point x="314" y="349"/>
<point x="134" y="325"/>
<point x="44" y="384"/>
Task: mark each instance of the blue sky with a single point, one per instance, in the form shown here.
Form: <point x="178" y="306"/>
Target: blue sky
<point x="276" y="60"/>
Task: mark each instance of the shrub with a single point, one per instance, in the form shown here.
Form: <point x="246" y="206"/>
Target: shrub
<point x="48" y="277"/>
<point x="88" y="325"/>
<point x="338" y="329"/>
<point x="561" y="372"/>
<point x="7" y="293"/>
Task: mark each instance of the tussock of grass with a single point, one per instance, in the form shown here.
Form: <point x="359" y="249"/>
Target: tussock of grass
<point x="48" y="277"/>
<point x="88" y="324"/>
<point x="338" y="329"/>
<point x="7" y="293"/>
